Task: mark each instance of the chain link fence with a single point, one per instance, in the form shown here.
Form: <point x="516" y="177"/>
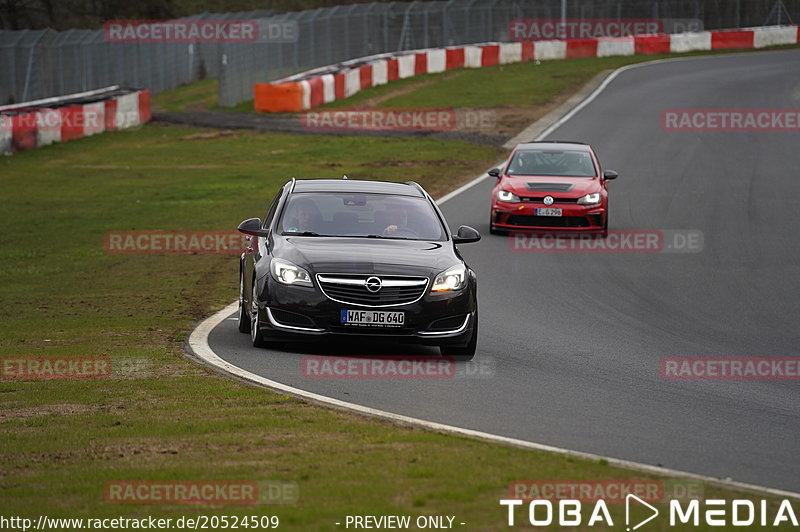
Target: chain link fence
<point x="39" y="64"/>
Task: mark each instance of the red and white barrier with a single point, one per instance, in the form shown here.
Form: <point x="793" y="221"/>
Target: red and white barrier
<point x="48" y="124"/>
<point x="546" y="50"/>
<point x="406" y="66"/>
<point x="690" y="42"/>
<point x="775" y="36"/>
<point x="305" y="91"/>
<point x="35" y="124"/>
<point x="6" y="129"/>
<point x="607" y="47"/>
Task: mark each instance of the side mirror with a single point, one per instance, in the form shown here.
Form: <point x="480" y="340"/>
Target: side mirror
<point x="466" y="235"/>
<point x="610" y="174"/>
<point x="494" y="172"/>
<point x="253" y="227"/>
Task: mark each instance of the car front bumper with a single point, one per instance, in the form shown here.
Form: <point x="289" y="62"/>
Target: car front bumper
<point x="301" y="313"/>
<point x="574" y="218"/>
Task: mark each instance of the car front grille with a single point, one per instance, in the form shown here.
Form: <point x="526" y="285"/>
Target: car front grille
<point x="547" y="221"/>
<point x="352" y="289"/>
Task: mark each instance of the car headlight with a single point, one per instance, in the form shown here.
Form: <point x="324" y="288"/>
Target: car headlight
<point x="454" y="278"/>
<point x="505" y="195"/>
<point x="287" y="273"/>
<point x="590" y="199"/>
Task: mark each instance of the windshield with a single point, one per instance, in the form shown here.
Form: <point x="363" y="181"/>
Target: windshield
<point x="566" y="163"/>
<point x="360" y="215"/>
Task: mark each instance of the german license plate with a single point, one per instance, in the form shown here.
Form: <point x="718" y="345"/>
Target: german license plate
<point x="547" y="212"/>
<point x="373" y="318"/>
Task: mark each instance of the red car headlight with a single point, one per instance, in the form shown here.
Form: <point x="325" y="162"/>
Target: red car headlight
<point x="508" y="197"/>
<point x="590" y="199"/>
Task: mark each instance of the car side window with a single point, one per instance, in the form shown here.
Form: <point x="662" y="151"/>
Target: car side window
<point x="272" y="208"/>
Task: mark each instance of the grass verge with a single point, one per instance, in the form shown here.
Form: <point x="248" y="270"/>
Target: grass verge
<point x="160" y="417"/>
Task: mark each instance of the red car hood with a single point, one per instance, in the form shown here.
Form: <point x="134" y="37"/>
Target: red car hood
<point x="537" y="186"/>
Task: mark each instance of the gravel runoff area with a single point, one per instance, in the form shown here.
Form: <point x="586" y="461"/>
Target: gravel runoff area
<point x="292" y="123"/>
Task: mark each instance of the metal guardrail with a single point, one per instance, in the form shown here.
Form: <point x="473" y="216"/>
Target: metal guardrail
<point x="43" y="63"/>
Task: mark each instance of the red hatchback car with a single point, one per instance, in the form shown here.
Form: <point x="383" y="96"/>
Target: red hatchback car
<point x="552" y="186"/>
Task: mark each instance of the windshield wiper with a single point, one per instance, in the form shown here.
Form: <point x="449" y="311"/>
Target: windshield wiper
<point x="389" y="237"/>
<point x="304" y="233"/>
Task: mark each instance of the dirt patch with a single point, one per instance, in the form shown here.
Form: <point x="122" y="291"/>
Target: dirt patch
<point x="411" y="163"/>
<point x="64" y="409"/>
<point x="133" y="450"/>
<point x="377" y="100"/>
<point x="211" y="135"/>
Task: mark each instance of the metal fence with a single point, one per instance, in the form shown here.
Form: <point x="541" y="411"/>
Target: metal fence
<point x="37" y="64"/>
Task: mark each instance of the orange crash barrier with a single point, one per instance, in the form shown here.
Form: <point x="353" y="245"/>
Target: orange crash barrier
<point x="278" y="98"/>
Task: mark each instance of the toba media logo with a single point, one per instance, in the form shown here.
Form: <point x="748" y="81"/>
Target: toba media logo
<point x="693" y="513"/>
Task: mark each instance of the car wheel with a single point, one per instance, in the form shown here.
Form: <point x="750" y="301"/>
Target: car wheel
<point x="255" y="318"/>
<point x="463" y="353"/>
<point x="242" y="317"/>
<point x="605" y="227"/>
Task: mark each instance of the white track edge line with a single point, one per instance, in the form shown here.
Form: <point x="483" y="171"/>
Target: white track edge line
<point x="198" y="346"/>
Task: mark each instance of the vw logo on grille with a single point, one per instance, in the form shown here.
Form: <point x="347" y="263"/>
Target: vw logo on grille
<point x="548" y="200"/>
<point x="373" y="284"/>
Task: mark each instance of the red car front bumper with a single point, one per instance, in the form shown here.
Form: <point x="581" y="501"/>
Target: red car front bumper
<point x="574" y="218"/>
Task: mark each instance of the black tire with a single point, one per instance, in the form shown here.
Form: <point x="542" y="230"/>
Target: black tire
<point x="243" y="317"/>
<point x="465" y="353"/>
<point x="255" y="318"/>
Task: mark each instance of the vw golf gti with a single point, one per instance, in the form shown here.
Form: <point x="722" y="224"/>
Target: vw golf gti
<point x="553" y="186"/>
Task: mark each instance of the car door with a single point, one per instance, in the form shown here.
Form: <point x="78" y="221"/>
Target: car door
<point x="258" y="247"/>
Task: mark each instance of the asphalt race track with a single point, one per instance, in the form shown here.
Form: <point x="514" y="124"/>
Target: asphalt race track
<point x="571" y="343"/>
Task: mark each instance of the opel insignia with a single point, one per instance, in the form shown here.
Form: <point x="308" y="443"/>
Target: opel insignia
<point x="357" y="258"/>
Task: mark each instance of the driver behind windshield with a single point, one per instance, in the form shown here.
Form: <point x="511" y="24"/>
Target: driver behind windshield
<point x="304" y="218"/>
<point x="398" y="222"/>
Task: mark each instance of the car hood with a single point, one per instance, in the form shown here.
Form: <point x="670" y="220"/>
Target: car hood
<point x="367" y="256"/>
<point x="539" y="186"/>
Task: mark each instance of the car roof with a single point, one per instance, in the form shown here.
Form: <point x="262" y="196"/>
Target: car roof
<point x="554" y="145"/>
<point x="358" y="186"/>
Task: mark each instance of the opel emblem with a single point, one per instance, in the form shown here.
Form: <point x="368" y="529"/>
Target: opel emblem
<point x="548" y="200"/>
<point x="373" y="284"/>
